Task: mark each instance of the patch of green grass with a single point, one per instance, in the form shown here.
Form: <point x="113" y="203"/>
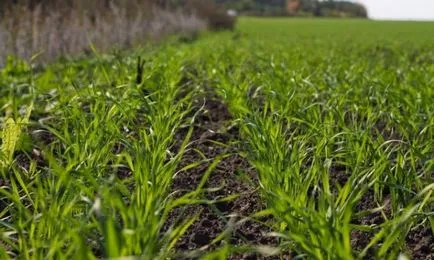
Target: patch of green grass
<point x="335" y="116"/>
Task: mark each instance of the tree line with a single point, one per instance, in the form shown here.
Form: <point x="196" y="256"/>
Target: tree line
<point x="328" y="8"/>
<point x="207" y="8"/>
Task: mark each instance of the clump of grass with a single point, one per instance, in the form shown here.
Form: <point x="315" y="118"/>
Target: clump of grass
<point x="105" y="179"/>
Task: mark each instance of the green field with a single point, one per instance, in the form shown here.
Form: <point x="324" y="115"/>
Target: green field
<point x="285" y="138"/>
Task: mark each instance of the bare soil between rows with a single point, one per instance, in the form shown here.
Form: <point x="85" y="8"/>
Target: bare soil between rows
<point x="213" y="137"/>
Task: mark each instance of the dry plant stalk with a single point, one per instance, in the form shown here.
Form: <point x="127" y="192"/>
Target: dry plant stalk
<point x="57" y="32"/>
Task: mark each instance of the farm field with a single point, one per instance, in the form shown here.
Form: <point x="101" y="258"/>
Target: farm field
<point x="287" y="138"/>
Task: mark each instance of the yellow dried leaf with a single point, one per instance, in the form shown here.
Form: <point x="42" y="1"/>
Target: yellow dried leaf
<point x="10" y="134"/>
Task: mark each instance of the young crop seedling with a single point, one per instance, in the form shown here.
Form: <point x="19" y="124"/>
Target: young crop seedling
<point x="295" y="138"/>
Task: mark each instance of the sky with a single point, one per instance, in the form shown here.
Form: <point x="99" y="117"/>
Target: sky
<point x="400" y="9"/>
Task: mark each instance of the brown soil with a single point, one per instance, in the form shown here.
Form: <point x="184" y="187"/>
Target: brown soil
<point x="233" y="176"/>
<point x="420" y="243"/>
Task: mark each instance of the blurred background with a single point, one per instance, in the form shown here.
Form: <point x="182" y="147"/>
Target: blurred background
<point x="53" y="28"/>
